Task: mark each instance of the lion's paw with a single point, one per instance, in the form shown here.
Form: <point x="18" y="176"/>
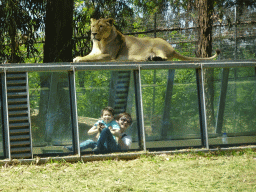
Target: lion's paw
<point x="77" y="59"/>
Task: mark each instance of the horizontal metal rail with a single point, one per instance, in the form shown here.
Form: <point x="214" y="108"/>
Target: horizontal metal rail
<point x="115" y="156"/>
<point x="65" y="66"/>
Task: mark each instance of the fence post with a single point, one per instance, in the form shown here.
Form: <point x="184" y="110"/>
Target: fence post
<point x="202" y="106"/>
<point x="139" y="109"/>
<point x="74" y="115"/>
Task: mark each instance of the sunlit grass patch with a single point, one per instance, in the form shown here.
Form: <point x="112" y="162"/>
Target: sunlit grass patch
<point x="192" y="171"/>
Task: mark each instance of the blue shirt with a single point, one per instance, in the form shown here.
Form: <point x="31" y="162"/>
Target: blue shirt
<point x="113" y="124"/>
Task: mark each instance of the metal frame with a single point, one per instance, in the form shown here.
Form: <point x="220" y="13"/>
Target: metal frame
<point x="202" y="107"/>
<point x="29" y="119"/>
<point x="139" y="110"/>
<point x="123" y="66"/>
<point x="71" y="68"/>
<point x="74" y="115"/>
<point x="5" y="117"/>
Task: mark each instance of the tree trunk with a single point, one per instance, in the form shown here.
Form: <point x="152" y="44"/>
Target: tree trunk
<point x="205" y="11"/>
<point x="12" y="29"/>
<point x="58" y="31"/>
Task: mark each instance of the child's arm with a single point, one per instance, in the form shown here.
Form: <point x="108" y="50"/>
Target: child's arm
<point x="93" y="130"/>
<point x="115" y="132"/>
<point x="96" y="129"/>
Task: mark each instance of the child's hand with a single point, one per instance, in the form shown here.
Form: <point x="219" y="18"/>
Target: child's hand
<point x="100" y="127"/>
<point x="110" y="128"/>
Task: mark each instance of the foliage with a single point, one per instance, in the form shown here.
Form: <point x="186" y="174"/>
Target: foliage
<point x="92" y="92"/>
<point x="20" y="22"/>
<point x="34" y="90"/>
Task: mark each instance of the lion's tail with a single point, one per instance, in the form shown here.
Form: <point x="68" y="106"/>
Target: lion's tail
<point x="185" y="58"/>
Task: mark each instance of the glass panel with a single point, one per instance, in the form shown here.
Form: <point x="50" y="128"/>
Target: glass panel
<point x="171" y="120"/>
<point x="239" y="119"/>
<point x="96" y="90"/>
<point x="50" y="112"/>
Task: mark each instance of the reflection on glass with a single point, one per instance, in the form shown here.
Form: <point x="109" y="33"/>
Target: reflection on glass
<point x="50" y="112"/>
<point x="96" y="90"/>
<point x="239" y="108"/>
<point x="173" y="116"/>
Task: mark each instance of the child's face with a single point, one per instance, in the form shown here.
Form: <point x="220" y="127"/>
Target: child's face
<point x="107" y="116"/>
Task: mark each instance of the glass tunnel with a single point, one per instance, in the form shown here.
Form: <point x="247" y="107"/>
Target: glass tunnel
<point x="172" y="106"/>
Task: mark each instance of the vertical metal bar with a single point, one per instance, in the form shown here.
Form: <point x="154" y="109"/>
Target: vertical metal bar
<point x="154" y="94"/>
<point x="166" y="124"/>
<point x="235" y="32"/>
<point x="205" y="131"/>
<point x="154" y="88"/>
<point x="5" y="116"/>
<point x="139" y="110"/>
<point x="222" y="100"/>
<point x="202" y="107"/>
<point x="74" y="115"/>
<point x="155" y="26"/>
<point x="29" y="119"/>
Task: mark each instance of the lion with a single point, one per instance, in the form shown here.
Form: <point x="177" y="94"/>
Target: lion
<point x="109" y="44"/>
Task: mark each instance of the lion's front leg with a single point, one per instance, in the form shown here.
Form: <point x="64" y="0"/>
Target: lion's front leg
<point x="77" y="59"/>
<point x="93" y="58"/>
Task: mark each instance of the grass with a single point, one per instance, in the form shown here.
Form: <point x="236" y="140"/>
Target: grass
<point x="219" y="171"/>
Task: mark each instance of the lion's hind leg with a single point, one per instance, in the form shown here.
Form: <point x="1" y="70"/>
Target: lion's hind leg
<point x="157" y="55"/>
<point x="155" y="58"/>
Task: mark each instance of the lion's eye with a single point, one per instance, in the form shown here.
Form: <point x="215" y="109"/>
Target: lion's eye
<point x="101" y="26"/>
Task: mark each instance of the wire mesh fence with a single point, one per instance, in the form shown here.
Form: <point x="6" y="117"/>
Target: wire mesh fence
<point x="235" y="35"/>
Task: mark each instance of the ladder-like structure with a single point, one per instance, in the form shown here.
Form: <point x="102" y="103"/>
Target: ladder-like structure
<point x="119" y="90"/>
<point x="18" y="115"/>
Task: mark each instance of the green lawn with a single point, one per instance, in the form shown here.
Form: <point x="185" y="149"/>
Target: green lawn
<point x="219" y="171"/>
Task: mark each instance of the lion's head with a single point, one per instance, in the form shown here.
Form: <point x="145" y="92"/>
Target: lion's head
<point x="101" y="29"/>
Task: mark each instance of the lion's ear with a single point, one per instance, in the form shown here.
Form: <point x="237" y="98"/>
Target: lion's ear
<point x="111" y="21"/>
<point x="93" y="20"/>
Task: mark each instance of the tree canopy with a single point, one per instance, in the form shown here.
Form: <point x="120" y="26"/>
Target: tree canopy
<point x="23" y="21"/>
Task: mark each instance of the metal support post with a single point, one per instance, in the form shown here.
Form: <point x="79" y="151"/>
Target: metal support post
<point x="29" y="118"/>
<point x="74" y="115"/>
<point x="5" y="118"/>
<point x="139" y="110"/>
<point x="202" y="107"/>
